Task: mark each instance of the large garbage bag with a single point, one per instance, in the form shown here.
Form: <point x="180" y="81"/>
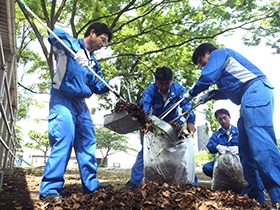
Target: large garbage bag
<point x="168" y="162"/>
<point x="228" y="174"/>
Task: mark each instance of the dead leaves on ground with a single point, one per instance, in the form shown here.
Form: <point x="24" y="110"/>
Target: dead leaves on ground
<point x="152" y="196"/>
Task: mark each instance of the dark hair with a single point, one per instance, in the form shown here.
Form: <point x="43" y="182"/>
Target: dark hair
<point x="164" y="73"/>
<point x="222" y="111"/>
<point x="201" y="50"/>
<point x="99" y="28"/>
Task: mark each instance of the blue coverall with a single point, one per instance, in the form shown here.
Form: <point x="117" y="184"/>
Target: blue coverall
<point x="243" y="83"/>
<point x="70" y="124"/>
<point x="220" y="137"/>
<point x="151" y="98"/>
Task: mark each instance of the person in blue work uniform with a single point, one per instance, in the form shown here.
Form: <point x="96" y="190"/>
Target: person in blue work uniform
<point x="246" y="85"/>
<point x="70" y="124"/>
<point x="156" y="99"/>
<point x="222" y="141"/>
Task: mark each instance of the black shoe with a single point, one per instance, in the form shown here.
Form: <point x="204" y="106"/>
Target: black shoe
<point x="51" y="198"/>
<point x="129" y="186"/>
<point x="105" y="187"/>
<point x="275" y="206"/>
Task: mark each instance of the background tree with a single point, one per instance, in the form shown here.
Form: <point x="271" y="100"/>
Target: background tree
<point x="110" y="143"/>
<point x="147" y="34"/>
<point x="42" y="142"/>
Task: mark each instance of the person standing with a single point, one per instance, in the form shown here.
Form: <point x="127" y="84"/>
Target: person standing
<point x="156" y="99"/>
<point x="222" y="141"/>
<point x="246" y="85"/>
<point x="69" y="121"/>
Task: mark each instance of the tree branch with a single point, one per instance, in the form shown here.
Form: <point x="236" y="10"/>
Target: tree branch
<point x="183" y="43"/>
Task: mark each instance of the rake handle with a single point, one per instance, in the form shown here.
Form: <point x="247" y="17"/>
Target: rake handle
<point x="172" y="121"/>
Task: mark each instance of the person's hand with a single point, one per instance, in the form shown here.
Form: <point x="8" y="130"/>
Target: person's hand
<point x="204" y="98"/>
<point x="233" y="150"/>
<point x="188" y="97"/>
<point x="191" y="128"/>
<point x="222" y="149"/>
<point x="81" y="58"/>
<point x="116" y="82"/>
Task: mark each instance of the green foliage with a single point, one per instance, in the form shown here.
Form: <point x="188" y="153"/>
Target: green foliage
<point x="278" y="143"/>
<point x="205" y="156"/>
<point x="42" y="142"/>
<point x="147" y="34"/>
<point x="25" y="101"/>
<point x="210" y="118"/>
<point x="110" y="142"/>
<point x="19" y="138"/>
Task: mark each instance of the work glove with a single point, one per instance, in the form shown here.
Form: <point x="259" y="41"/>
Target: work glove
<point x="180" y="121"/>
<point x="222" y="149"/>
<point x="188" y="97"/>
<point x="233" y="150"/>
<point x="81" y="58"/>
<point x="116" y="82"/>
<point x="204" y="98"/>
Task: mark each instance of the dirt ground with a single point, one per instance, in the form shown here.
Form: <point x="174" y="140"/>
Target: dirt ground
<point x="21" y="191"/>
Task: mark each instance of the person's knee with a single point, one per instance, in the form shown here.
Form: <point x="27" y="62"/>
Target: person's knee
<point x="207" y="172"/>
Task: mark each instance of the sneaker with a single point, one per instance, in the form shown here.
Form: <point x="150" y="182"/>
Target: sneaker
<point x="275" y="206"/>
<point x="129" y="186"/>
<point x="51" y="198"/>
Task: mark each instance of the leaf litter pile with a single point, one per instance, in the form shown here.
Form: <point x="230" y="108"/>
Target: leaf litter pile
<point x="152" y="196"/>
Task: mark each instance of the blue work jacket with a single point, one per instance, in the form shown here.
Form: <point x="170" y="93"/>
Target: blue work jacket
<point x="151" y="98"/>
<point x="71" y="79"/>
<point x="232" y="73"/>
<point x="220" y="137"/>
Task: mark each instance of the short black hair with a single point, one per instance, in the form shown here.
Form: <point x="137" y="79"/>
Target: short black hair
<point x="164" y="73"/>
<point x="99" y="28"/>
<point x="201" y="50"/>
<point x="221" y="111"/>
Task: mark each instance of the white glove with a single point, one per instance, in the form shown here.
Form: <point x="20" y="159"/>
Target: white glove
<point x="116" y="82"/>
<point x="222" y="149"/>
<point x="81" y="58"/>
<point x="188" y="97"/>
<point x="204" y="98"/>
<point x="233" y="150"/>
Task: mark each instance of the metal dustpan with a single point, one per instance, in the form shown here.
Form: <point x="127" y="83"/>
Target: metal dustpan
<point x="166" y="128"/>
<point x="121" y="123"/>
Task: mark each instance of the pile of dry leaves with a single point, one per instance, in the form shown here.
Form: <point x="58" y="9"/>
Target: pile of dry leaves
<point x="154" y="196"/>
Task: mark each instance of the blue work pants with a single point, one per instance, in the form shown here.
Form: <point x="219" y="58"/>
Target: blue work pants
<point x="258" y="151"/>
<point x="70" y="125"/>
<point x="208" y="168"/>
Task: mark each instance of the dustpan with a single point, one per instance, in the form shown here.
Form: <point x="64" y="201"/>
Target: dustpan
<point x="166" y="128"/>
<point x="122" y="122"/>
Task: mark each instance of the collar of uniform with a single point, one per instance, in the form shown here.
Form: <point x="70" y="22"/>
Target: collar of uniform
<point x="164" y="95"/>
<point x="227" y="132"/>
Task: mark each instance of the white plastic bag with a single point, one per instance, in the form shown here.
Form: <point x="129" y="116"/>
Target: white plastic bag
<point x="168" y="162"/>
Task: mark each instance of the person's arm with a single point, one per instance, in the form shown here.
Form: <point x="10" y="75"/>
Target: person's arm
<point x="212" y="144"/>
<point x="147" y="99"/>
<point x="71" y="42"/>
<point x="96" y="85"/>
<point x="211" y="71"/>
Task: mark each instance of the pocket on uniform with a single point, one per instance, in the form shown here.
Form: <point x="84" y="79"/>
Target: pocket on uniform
<point x="267" y="84"/>
<point x="52" y="116"/>
<point x="52" y="128"/>
<point x="259" y="114"/>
